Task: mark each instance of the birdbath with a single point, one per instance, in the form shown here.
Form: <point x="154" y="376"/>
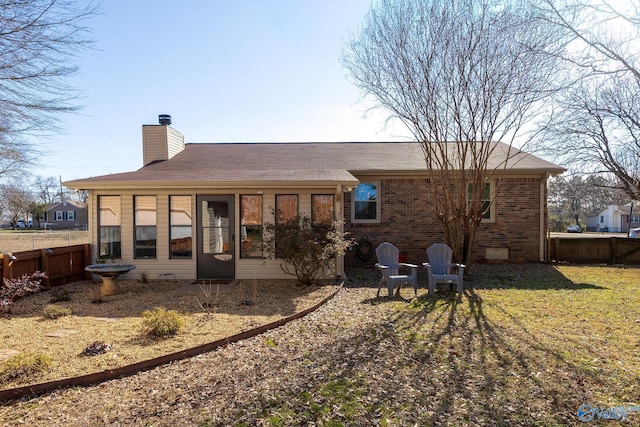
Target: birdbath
<point x="109" y="274"/>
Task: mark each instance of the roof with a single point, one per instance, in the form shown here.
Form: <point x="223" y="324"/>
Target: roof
<point x="276" y="164"/>
<point x="66" y="203"/>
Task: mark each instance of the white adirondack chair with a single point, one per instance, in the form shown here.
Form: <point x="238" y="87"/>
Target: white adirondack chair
<point x="389" y="265"/>
<point x="441" y="269"/>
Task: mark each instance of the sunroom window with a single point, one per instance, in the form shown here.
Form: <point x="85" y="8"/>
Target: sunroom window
<point x="109" y="237"/>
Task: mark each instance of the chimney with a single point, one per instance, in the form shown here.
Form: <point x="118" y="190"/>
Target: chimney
<point x="160" y="142"/>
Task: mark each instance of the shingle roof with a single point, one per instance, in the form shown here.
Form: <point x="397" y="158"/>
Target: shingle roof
<point x="235" y="163"/>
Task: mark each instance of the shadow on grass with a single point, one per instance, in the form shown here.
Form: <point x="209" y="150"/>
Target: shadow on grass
<point x="443" y="359"/>
<point x="521" y="276"/>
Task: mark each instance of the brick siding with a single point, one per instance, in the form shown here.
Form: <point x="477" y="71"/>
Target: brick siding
<point x="408" y="221"/>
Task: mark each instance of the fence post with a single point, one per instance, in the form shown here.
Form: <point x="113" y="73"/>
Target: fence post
<point x="44" y="263"/>
<point x="87" y="260"/>
<point x="5" y="267"/>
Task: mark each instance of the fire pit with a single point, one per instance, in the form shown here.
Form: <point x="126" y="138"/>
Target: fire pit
<point x="109" y="274"/>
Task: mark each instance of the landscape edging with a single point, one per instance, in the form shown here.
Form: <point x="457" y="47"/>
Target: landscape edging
<point x="145" y="365"/>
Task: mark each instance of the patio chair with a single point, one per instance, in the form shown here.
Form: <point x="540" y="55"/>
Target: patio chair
<point x="441" y="269"/>
<point x="389" y="265"/>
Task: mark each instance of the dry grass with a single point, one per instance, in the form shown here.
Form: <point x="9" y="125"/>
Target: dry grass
<point x="118" y="320"/>
<point x="26" y="240"/>
<point x="525" y="346"/>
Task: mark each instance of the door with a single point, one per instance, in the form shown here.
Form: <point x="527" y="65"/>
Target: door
<point x="216" y="257"/>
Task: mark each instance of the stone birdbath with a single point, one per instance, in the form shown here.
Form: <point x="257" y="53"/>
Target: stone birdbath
<point x="109" y="274"/>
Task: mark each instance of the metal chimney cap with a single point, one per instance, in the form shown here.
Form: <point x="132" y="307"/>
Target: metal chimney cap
<point x="164" y="119"/>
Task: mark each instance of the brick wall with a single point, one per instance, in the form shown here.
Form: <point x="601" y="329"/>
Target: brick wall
<point x="408" y="221"/>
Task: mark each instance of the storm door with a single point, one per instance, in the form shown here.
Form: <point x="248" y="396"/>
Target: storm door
<point x="216" y="257"/>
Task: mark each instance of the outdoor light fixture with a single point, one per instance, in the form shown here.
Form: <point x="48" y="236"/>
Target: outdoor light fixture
<point x="12" y="257"/>
<point x="48" y="251"/>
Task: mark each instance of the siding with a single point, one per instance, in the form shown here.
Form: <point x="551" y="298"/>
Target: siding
<point x="408" y="221"/>
<point x="154" y="143"/>
<point x="187" y="269"/>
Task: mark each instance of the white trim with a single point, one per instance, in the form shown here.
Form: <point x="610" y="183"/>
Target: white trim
<point x="378" y="219"/>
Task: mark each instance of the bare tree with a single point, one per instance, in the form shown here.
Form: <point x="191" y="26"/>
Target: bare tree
<point x="596" y="126"/>
<point x="589" y="193"/>
<point x="464" y="77"/>
<point x="16" y="202"/>
<point x="39" y="40"/>
<point x="47" y="190"/>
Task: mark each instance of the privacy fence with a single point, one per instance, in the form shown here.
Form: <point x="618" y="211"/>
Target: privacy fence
<point x="594" y="250"/>
<point x="63" y="264"/>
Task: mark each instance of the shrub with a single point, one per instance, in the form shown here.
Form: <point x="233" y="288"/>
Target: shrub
<point x="53" y="311"/>
<point x="14" y="289"/>
<point x="305" y="248"/>
<point x="162" y="323"/>
<point x="24" y="365"/>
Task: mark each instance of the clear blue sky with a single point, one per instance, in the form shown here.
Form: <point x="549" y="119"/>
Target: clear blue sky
<point x="226" y="71"/>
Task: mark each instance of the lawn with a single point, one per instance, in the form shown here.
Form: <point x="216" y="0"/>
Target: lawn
<point x="526" y="345"/>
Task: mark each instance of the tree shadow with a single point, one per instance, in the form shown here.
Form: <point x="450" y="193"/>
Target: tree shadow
<point x="520" y="276"/>
<point x="452" y="363"/>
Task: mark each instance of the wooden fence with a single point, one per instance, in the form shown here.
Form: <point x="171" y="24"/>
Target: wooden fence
<point x="594" y="250"/>
<point x="63" y="264"/>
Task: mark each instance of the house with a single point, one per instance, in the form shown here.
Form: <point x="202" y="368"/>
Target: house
<point x="64" y="215"/>
<point x="199" y="210"/>
<point x="615" y="219"/>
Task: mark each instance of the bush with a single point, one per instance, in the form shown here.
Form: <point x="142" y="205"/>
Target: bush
<point x="305" y="248"/>
<point x="162" y="323"/>
<point x="14" y="289"/>
<point x="23" y="365"/>
<point x="53" y="311"/>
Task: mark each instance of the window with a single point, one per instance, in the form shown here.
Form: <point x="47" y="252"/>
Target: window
<point x="286" y="207"/>
<point x="322" y="209"/>
<point x="180" y="226"/>
<point x="71" y="215"/>
<point x="635" y="218"/>
<point x="485" y="198"/>
<point x="145" y="226"/>
<point x="365" y="205"/>
<point x="109" y="239"/>
<point x="251" y="226"/>
<point x="59" y="216"/>
<point x="601" y="218"/>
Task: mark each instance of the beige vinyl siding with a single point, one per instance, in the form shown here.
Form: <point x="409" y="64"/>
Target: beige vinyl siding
<point x="186" y="269"/>
<point x="175" y="142"/>
<point x="154" y="144"/>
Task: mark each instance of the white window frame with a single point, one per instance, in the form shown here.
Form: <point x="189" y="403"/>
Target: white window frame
<point x="377" y="219"/>
<point x="59" y="216"/>
<point x="71" y="215"/>
<point x="492" y="202"/>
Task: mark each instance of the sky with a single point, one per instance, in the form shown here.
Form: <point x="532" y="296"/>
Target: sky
<point x="225" y="70"/>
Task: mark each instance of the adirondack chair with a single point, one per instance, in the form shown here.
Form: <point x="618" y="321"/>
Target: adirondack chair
<point x="389" y="265"/>
<point x="441" y="269"/>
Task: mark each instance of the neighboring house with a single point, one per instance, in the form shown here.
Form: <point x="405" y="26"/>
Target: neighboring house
<point x="199" y="210"/>
<point x="615" y="219"/>
<point x="64" y="215"/>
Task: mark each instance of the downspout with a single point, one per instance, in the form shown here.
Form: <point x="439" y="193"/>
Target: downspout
<point x="340" y="217"/>
<point x="543" y="210"/>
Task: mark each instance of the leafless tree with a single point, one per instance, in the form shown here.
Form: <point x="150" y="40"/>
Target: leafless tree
<point x="39" y="39"/>
<point x="47" y="190"/>
<point x="590" y="193"/>
<point x="596" y="124"/>
<point x="16" y="201"/>
<point x="464" y="77"/>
